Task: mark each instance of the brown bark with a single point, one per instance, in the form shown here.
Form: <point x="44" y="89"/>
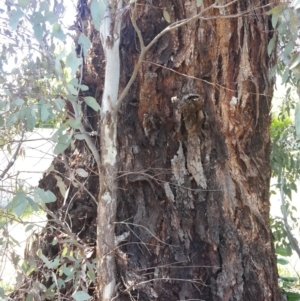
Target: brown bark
<point x="193" y="156"/>
<point x="195" y="188"/>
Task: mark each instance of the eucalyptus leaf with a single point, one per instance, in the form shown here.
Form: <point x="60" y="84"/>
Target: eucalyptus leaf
<point x="38" y="32"/>
<point x="81" y="296"/>
<point x="63" y="143"/>
<point x="12" y="119"/>
<point x="166" y="16"/>
<point x="2" y="292"/>
<point x="75" y="123"/>
<point x="85" y="42"/>
<point x="199" y="2"/>
<point x="73" y="62"/>
<point x="45" y="112"/>
<point x="18" y="203"/>
<point x="18" y="102"/>
<point x="14" y="18"/>
<point x="23" y="3"/>
<point x="291" y="296"/>
<point x="271" y="45"/>
<point x="59" y="103"/>
<point x="98" y="8"/>
<point x="42" y="196"/>
<point x="57" y="32"/>
<point x="282" y="261"/>
<point x="92" y="102"/>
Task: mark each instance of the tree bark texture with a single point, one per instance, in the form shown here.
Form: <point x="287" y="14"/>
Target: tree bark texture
<point x="193" y="154"/>
<point x="194" y="172"/>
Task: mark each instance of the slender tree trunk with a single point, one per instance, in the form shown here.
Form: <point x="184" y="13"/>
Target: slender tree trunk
<point x="107" y="204"/>
<point x="193" y="157"/>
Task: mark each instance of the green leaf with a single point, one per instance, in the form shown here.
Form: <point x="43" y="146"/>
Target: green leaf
<point x="42" y="196"/>
<point x="32" y="203"/>
<point x="58" y="133"/>
<point x="293" y="296"/>
<point x="271" y="45"/>
<point x="2" y="292"/>
<point x="57" y="32"/>
<point x="29" y="297"/>
<point x="81" y="296"/>
<point x="283" y="251"/>
<point x="290" y="279"/>
<point x="282" y="261"/>
<point x="73" y="62"/>
<point x="45" y="112"/>
<point x="297" y="119"/>
<point x="295" y="60"/>
<point x="92" y="102"/>
<point x="12" y="119"/>
<point x="23" y="3"/>
<point x="72" y="90"/>
<point x="38" y="32"/>
<point x="40" y="254"/>
<point x="289" y="48"/>
<point x="74" y="123"/>
<point x="97" y="11"/>
<point x="85" y="42"/>
<point x="59" y="103"/>
<point x="37" y="18"/>
<point x="28" y="227"/>
<point x="18" y="203"/>
<point x="166" y="16"/>
<point x="63" y="143"/>
<point x="64" y="252"/>
<point x="91" y="275"/>
<point x="14" y="18"/>
<point x="53" y="264"/>
<point x="199" y="2"/>
<point x="18" y="102"/>
<point x="276" y="10"/>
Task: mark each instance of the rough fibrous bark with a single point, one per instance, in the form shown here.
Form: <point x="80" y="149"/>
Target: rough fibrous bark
<point x="193" y="155"/>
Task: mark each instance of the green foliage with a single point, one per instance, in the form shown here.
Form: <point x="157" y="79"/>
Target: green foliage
<point x="285" y="162"/>
<point x="97" y="11"/>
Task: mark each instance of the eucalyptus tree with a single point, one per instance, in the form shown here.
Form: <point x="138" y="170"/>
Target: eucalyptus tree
<point x="163" y="156"/>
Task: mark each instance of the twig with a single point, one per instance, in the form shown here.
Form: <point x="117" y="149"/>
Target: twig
<point x="14" y="157"/>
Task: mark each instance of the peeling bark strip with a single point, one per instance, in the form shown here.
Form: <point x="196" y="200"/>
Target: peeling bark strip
<point x="110" y="38"/>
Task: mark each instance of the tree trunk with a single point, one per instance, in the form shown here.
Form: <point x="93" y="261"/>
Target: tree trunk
<point x="193" y="154"/>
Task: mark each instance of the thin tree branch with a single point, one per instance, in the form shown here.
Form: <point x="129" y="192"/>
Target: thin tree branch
<point x="14" y="157"/>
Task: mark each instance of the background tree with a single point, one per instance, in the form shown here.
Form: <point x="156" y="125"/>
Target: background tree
<point x="191" y="176"/>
